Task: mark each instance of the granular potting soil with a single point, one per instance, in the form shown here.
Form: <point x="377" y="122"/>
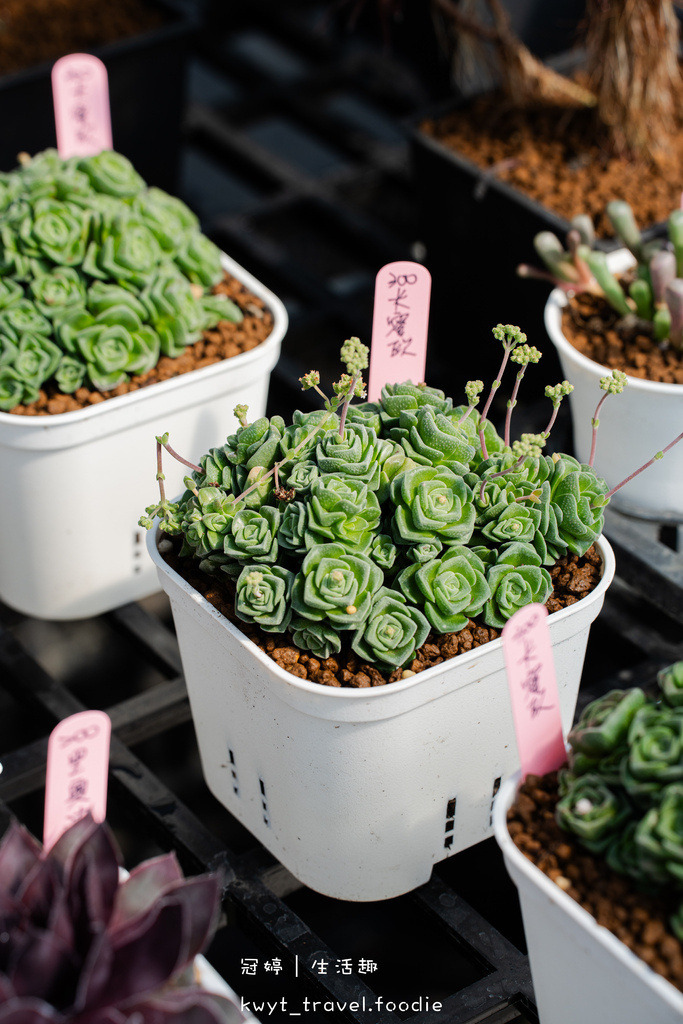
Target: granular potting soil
<point x="220" y="342"/>
<point x="589" y="323"/>
<point x="548" y="155"/>
<point x="573" y="578"/>
<point x="638" y="919"/>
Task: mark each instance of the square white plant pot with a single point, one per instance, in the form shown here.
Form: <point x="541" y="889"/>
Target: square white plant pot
<point x="359" y="792"/>
<point x="74" y="485"/>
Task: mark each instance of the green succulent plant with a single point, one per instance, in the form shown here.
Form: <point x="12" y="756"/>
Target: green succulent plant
<point x="389" y="514"/>
<point x="623" y="793"/>
<point x="110" y="273"/>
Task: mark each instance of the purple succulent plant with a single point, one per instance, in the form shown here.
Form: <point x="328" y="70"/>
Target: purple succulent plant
<point x="79" y="945"/>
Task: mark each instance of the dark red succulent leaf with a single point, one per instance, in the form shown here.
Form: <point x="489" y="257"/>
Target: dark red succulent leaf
<point x="147" y="960"/>
<point x="95" y="972"/>
<point x="45" y="967"/>
<point x="19" y="851"/>
<point x="188" y="1006"/>
<point x="29" y="1011"/>
<point x="92" y="878"/>
<point x="200" y="900"/>
<point x="6" y="989"/>
<point x="40" y="889"/>
<point x="146" y="884"/>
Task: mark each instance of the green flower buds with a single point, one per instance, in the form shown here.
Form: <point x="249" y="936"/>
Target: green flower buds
<point x="392" y="632"/>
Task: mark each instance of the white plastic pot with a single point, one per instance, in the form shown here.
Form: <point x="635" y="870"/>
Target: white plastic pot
<point x="359" y="792"/>
<point x="633" y="426"/>
<point x="580" y="970"/>
<point x="74" y="485"/>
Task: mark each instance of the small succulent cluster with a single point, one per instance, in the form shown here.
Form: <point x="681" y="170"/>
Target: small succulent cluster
<point x="622" y="795"/>
<point x="655" y="292"/>
<point x="79" y="946"/>
<point x="387" y="520"/>
<point x="99" y="275"/>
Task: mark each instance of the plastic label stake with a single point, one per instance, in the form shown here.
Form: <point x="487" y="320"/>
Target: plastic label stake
<point x="533" y="691"/>
<point x="77" y="768"/>
<point x="398" y="351"/>
<point x="80" y="93"/>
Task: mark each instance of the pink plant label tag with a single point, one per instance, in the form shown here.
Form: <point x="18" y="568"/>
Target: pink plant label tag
<point x="398" y="351"/>
<point x="533" y="691"/>
<point x="77" y="769"/>
<point x="80" y="93"/>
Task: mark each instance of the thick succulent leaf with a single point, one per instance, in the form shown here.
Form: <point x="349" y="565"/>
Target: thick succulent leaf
<point x="19" y="852"/>
<point x="29" y="1011"/>
<point x="44" y="967"/>
<point x="144" y="886"/>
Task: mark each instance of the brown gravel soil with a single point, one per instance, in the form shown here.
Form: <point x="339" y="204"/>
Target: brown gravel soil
<point x="548" y="155"/>
<point x="638" y="919"/>
<point x="66" y="26"/>
<point x="573" y="578"/>
<point x="591" y="325"/>
<point x="222" y="342"/>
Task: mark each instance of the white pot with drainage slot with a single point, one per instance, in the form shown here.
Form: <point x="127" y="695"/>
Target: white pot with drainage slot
<point x="75" y="484"/>
<point x="359" y="792"/>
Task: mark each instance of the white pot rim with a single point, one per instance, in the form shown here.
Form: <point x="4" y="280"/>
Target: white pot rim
<point x="553" y="894"/>
<point x="373" y="692"/>
<point x="111" y="405"/>
<point x="620" y="259"/>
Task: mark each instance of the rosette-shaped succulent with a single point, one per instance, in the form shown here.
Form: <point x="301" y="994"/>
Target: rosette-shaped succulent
<point x="604" y="723"/>
<point x="655" y="755"/>
<point x="659" y="837"/>
<point x="36" y="359"/>
<point x="300" y="476"/>
<point x="253" y="535"/>
<point x="217" y="469"/>
<point x="342" y="510"/>
<point x="14" y="389"/>
<point x="432" y="503"/>
<point x="112" y="353"/>
<point x="84" y="244"/>
<point x="81" y="946"/>
<point x="392" y="631"/>
<point x="671" y="684"/>
<point x="70" y="374"/>
<point x="470" y="428"/>
<point x="383" y="551"/>
<point x="335" y="586"/>
<point x="396" y="398"/>
<point x="425" y="552"/>
<point x="292" y="533"/>
<point x="516" y="580"/>
<point x="320" y="639"/>
<point x="257" y="444"/>
<point x="358" y="454"/>
<point x="262" y="596"/>
<point x="592" y="811"/>
<point x="300" y="438"/>
<point x="450" y="589"/>
<point x="578" y="496"/>
<point x="367" y="413"/>
<point x="431" y="438"/>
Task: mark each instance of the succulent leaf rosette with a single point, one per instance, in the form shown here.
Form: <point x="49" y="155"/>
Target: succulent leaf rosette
<point x="623" y="793"/>
<point x="79" y="945"/>
<point x="88" y="251"/>
<point x="391" y="510"/>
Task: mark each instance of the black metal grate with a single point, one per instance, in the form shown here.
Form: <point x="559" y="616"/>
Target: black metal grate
<point x="296" y="159"/>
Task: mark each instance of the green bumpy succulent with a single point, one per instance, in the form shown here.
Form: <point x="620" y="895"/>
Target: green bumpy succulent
<point x="670" y="682"/>
<point x="392" y="632"/>
<point x="655" y="756"/>
<point x="431" y="438"/>
<point x="450" y="590"/>
<point x="262" y="596"/>
<point x="253" y="535"/>
<point x="593" y="812"/>
<point x="432" y="503"/>
<point x="398" y="398"/>
<point x="320" y="639"/>
<point x="604" y="723"/>
<point x="342" y="510"/>
<point x="516" y="580"/>
<point x="359" y="454"/>
<point x="336" y="587"/>
<point x="84" y="244"/>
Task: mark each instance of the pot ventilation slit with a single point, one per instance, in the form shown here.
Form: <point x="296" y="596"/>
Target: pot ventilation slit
<point x="264" y="804"/>
<point x="233" y="772"/>
<point x="138" y="540"/>
<point x="450" y="823"/>
<point x="496" y="787"/>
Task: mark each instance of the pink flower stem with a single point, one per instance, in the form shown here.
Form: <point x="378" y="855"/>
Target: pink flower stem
<point x="655" y="458"/>
<point x="511" y="404"/>
<point x="160" y="473"/>
<point x="197" y="469"/>
<point x="494" y="388"/>
<point x="546" y="432"/>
